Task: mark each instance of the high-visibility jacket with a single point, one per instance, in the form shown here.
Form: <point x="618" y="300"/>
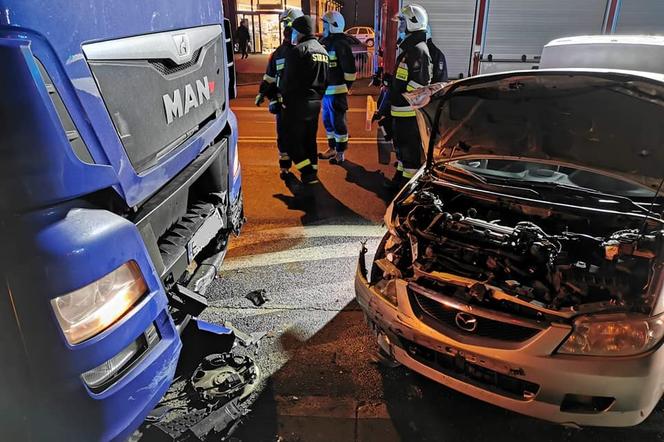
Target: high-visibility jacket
<point x="413" y="70"/>
<point x="342" y="64"/>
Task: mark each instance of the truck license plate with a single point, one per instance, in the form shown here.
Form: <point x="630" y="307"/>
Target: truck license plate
<point x="204" y="235"/>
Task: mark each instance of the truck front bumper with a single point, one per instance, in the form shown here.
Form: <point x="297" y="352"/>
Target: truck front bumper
<point x="529" y="378"/>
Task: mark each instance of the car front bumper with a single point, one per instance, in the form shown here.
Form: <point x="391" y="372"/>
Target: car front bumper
<point x="497" y="375"/>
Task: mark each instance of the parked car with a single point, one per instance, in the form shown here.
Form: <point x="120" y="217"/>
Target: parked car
<point x="523" y="264"/>
<point x="363" y="33"/>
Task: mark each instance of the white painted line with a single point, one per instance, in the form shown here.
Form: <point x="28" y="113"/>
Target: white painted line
<point x="347" y="231"/>
<point x="319" y="140"/>
<point x="253" y="108"/>
<point x="307" y="254"/>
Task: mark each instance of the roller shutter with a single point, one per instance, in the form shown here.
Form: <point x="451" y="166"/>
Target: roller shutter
<point x="523" y="27"/>
<point x="452" y="24"/>
<point x="640" y="17"/>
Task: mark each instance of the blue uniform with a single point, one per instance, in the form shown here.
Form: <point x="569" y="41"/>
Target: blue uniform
<point x="335" y="102"/>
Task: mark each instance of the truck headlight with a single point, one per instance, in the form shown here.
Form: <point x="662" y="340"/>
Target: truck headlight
<point x="90" y="310"/>
<point x="614" y="336"/>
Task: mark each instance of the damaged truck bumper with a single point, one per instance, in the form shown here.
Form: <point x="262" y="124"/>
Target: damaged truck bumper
<point x="527" y="377"/>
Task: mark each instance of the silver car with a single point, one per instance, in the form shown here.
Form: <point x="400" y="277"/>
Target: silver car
<point x="523" y="263"/>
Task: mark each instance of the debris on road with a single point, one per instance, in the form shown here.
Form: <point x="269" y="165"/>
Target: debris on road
<point x="215" y="397"/>
<point x="257" y="297"/>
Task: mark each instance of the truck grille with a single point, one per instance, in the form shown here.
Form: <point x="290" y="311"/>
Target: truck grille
<point x="444" y="319"/>
<point x="167" y="67"/>
<point x="459" y="368"/>
<point x="157" y="98"/>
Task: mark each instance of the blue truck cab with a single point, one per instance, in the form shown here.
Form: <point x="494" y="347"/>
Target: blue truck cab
<point x="120" y="187"/>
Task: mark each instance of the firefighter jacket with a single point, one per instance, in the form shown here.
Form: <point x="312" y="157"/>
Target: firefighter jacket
<point x="342" y="64"/>
<point x="269" y="87"/>
<point x="306" y="72"/>
<point x="438" y="61"/>
<point x="413" y="70"/>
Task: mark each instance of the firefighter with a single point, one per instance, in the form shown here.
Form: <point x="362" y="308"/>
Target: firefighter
<point x="341" y="77"/>
<point x="303" y="86"/>
<point x="437" y="60"/>
<point x="269" y="87"/>
<point x="413" y="70"/>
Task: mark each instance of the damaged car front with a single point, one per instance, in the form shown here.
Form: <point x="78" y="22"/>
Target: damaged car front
<point x="523" y="264"/>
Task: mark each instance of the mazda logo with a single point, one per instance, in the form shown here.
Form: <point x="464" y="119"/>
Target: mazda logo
<point x="466" y="322"/>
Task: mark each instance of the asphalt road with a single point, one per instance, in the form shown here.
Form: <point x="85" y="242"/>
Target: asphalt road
<point x="321" y="383"/>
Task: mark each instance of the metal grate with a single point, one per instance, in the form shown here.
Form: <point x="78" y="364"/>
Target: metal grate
<point x="443" y="318"/>
<point x="168" y="67"/>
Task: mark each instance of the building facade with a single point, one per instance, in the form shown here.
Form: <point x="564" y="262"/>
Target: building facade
<point x="263" y="18"/>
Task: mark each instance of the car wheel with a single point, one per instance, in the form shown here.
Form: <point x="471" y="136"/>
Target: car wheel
<point x="370" y="43"/>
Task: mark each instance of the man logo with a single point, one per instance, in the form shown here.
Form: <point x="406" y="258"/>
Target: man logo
<point x="466" y="322"/>
<point x="175" y="107"/>
<point x="181" y="44"/>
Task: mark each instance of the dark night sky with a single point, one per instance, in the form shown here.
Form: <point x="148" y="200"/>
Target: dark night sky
<point x="365" y="13"/>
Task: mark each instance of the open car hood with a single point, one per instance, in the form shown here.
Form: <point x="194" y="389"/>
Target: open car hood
<point x="611" y="122"/>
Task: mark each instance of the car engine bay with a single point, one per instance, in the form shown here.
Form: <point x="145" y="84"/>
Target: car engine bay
<point x="514" y="256"/>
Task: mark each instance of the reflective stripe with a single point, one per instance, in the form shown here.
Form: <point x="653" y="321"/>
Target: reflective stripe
<point x="333" y="55"/>
<point x="281" y="63"/>
<point x="336" y="89"/>
<point x="284" y="156"/>
<point x="330" y="135"/>
<point x="403" y="111"/>
<point x="341" y="138"/>
<point x="273" y="102"/>
<point x="315" y="166"/>
<point x="269" y="79"/>
<point x="303" y="164"/>
<point x="400" y="166"/>
<point x="350" y="77"/>
<point x="409" y="88"/>
<point x="402" y="72"/>
<point x="409" y="173"/>
<point x="414" y="84"/>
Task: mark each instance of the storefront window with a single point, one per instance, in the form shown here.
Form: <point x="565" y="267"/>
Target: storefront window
<point x="263" y="17"/>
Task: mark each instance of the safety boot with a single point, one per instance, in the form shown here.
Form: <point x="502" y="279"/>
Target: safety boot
<point x="338" y="159"/>
<point x="328" y="154"/>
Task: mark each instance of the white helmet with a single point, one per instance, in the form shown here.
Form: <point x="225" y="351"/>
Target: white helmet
<point x="289" y="15"/>
<point x="335" y="21"/>
<point x="415" y="16"/>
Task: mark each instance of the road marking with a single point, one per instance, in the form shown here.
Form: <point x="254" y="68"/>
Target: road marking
<point x="259" y="140"/>
<point x="344" y="231"/>
<point x="307" y="254"/>
<point x="250" y="108"/>
<point x="348" y="231"/>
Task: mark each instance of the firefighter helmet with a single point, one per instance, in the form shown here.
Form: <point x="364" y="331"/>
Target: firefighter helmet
<point x="335" y="21"/>
<point x="289" y="15"/>
<point x="415" y="18"/>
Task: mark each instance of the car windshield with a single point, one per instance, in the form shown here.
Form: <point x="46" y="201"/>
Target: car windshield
<point x="513" y="172"/>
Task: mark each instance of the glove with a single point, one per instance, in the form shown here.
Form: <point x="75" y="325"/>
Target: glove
<point x="376" y="116"/>
<point x="259" y="99"/>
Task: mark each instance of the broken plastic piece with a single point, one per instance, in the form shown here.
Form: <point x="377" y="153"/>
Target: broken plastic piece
<point x="257" y="297"/>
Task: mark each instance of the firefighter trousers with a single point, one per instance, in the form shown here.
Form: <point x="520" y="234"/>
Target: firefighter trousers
<point x="334" y="119"/>
<point x="300" y="124"/>
<point x="408" y="144"/>
<point x="285" y="161"/>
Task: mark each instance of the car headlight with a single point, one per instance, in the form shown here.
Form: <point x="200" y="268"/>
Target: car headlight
<point x="90" y="310"/>
<point x="614" y="336"/>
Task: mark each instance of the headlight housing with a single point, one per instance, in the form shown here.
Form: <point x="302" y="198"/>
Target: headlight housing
<point x="90" y="310"/>
<point x="614" y="335"/>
